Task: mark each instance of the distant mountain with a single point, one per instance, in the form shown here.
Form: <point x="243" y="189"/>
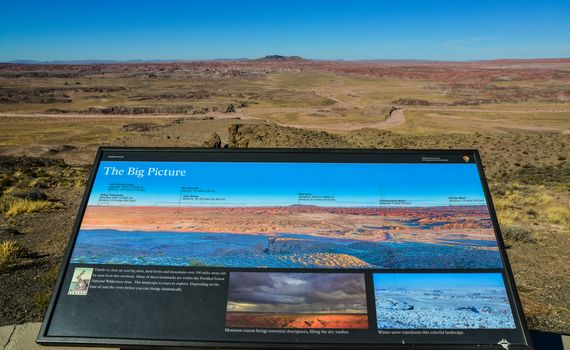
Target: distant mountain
<point x="280" y="58"/>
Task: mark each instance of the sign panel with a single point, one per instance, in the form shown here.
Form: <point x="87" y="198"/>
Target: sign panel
<point x="328" y="248"/>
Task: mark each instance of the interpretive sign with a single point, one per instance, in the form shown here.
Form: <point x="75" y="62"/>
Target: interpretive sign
<point x="286" y="248"/>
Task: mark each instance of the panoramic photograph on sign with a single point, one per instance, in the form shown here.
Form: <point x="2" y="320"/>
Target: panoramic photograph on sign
<point x="335" y="216"/>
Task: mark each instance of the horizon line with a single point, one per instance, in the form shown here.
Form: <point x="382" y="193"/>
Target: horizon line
<point x="284" y="58"/>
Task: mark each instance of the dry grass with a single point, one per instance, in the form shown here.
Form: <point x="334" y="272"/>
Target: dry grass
<point x="25" y="189"/>
<point x="24" y="206"/>
<point x="9" y="253"/>
<point x="557" y="215"/>
<point x="524" y="204"/>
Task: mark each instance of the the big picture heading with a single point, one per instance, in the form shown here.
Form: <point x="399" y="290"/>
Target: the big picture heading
<point x="142" y="172"/>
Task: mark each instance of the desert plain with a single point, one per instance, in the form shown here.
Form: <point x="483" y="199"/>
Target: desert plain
<point x="516" y="112"/>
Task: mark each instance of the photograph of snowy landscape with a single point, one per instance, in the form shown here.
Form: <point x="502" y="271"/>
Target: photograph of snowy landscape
<point x="442" y="301"/>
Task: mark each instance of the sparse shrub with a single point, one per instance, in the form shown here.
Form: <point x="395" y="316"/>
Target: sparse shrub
<point x="38" y="183"/>
<point x="41" y="172"/>
<point x="6" y="181"/>
<point x="9" y="253"/>
<point x="498" y="189"/>
<point x="42" y="298"/>
<point x="20" y="185"/>
<point x="545" y="198"/>
<point x="21" y="206"/>
<point x="327" y="102"/>
<point x="517" y="233"/>
<point x="79" y="184"/>
<point x="30" y="194"/>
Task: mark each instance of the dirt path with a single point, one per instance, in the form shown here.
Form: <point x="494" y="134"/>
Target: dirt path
<point x="118" y="116"/>
<point x="483" y="110"/>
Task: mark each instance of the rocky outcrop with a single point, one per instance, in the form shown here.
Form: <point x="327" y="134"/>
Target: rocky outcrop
<point x="268" y="135"/>
<point x="140" y="127"/>
<point x="60" y="149"/>
<point x="24" y="163"/>
<point x="328" y="260"/>
<point x="214" y="141"/>
<point x="9" y="231"/>
<point x="295" y="246"/>
<point x="230" y="108"/>
<point x="412" y="102"/>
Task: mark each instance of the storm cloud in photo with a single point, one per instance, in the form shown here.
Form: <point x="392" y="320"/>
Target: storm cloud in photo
<point x="277" y="292"/>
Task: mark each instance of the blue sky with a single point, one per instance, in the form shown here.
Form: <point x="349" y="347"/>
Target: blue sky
<point x="438" y="280"/>
<point x="270" y="184"/>
<point x="403" y="29"/>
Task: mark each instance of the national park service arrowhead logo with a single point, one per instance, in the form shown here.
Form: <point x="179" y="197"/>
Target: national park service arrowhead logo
<point x="504" y="343"/>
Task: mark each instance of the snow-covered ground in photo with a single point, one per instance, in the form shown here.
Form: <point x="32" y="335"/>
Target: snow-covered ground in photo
<point x="451" y="308"/>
